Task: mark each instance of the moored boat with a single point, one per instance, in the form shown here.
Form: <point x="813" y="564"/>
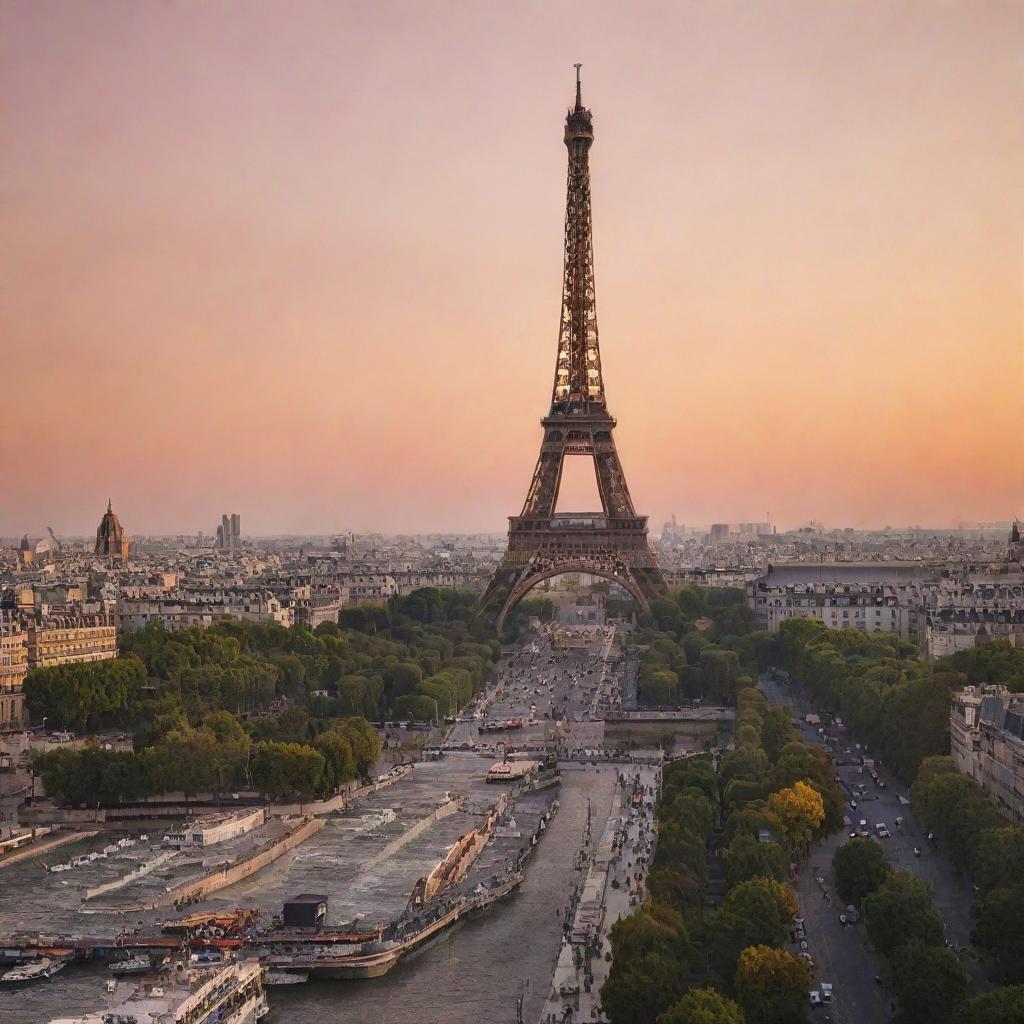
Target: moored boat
<point x="134" y="965"/>
<point x="35" y="970"/>
<point x="230" y="994"/>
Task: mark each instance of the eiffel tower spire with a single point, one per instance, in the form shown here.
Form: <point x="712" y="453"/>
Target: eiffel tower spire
<point x="612" y="542"/>
<point x="578" y="385"/>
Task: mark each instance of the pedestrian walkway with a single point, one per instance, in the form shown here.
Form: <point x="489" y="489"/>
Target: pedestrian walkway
<point x="613" y="871"/>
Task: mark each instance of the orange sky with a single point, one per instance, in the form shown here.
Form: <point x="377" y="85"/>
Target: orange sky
<point x="302" y="261"/>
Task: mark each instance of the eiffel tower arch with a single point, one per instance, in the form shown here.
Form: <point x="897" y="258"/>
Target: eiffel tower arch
<point x="610" y="543"/>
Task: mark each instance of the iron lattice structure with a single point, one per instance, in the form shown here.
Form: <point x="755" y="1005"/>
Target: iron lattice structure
<point x="612" y="543"/>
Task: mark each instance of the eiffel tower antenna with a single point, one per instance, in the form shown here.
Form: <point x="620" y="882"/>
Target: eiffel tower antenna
<point x="611" y="543"/>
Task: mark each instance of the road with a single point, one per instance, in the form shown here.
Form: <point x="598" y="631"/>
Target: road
<point x="559" y="693"/>
<point x="844" y="955"/>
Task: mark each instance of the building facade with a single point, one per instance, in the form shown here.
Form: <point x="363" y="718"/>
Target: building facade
<point x="185" y="609"/>
<point x="66" y="639"/>
<point x="13" y="669"/>
<point x="941" y="608"/>
<point x="986" y="729"/>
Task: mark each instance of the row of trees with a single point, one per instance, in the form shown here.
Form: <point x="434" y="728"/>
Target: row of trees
<point x="199" y="701"/>
<point x="897" y="703"/>
<point x="888" y="696"/>
<point x="955" y="808"/>
<point x="905" y="927"/>
<point x="695" y="644"/>
<point x="772" y="782"/>
<point x="416" y="658"/>
<point x="216" y="756"/>
<point x="84" y="693"/>
<point x="900" y="913"/>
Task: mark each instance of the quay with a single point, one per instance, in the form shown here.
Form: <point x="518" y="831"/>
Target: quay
<point x="37" y="845"/>
<point x="483" y="866"/>
<point x="613" y="885"/>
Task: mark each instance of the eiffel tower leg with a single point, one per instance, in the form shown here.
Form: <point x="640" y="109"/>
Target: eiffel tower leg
<point x="612" y="483"/>
<point x="543" y="492"/>
<point x="498" y="590"/>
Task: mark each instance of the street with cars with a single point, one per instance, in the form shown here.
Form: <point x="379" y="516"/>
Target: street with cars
<point x="843" y="954"/>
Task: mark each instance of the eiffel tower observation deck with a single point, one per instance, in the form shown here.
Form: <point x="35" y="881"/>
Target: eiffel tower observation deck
<point x="611" y="543"/>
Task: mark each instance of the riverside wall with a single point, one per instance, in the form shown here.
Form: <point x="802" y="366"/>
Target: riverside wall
<point x="139" y="872"/>
<point x="444" y="811"/>
<point x="244" y="867"/>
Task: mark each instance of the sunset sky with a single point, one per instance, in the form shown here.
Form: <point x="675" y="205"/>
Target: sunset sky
<point x="302" y="260"/>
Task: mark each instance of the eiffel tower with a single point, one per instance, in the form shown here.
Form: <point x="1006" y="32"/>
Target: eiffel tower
<point x="611" y="543"/>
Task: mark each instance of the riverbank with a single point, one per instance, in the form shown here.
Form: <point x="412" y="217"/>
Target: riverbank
<point x="616" y="867"/>
<point x="37" y="848"/>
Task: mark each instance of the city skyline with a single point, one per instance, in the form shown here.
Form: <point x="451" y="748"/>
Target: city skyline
<point x="233" y="287"/>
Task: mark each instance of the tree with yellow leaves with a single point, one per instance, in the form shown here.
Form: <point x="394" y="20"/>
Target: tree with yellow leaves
<point x="771" y="986"/>
<point x="801" y="810"/>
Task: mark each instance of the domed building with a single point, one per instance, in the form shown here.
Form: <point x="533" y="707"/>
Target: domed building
<point x="26" y="553"/>
<point x="111" y="543"/>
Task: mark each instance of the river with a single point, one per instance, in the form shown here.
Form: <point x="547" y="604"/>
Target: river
<point x="471" y="974"/>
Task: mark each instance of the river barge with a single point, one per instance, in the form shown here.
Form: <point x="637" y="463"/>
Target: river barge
<point x="318" y="957"/>
<point x="229" y="994"/>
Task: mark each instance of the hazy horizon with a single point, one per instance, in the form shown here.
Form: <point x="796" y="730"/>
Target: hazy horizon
<point x="303" y="262"/>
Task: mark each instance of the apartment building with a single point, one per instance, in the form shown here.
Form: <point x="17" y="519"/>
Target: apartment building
<point x="13" y="669"/>
<point x="64" y="639"/>
<point x="986" y="728"/>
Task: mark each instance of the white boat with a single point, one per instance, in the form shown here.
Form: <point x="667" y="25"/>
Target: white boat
<point x="231" y="994"/>
<point x="36" y="970"/>
<point x="134" y="965"/>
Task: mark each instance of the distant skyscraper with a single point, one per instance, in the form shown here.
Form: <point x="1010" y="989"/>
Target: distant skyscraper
<point x="111" y="542"/>
<point x="229" y="533"/>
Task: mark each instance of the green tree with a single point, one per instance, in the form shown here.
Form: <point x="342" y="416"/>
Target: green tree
<point x="401" y="678"/>
<point x="365" y="743"/>
<point x="1003" y="1006"/>
<point x="651" y="957"/>
<point x="998" y="929"/>
<point x="901" y="910"/>
<point x="746" y="857"/>
<point x="659" y="689"/>
<point x="340" y="762"/>
<point x="756" y="912"/>
<point x="777" y="731"/>
<point x="83" y="695"/>
<point x="999" y="856"/>
<point x="703" y="1006"/>
<point x="955" y="807"/>
<point x="930" y="983"/>
<point x="283" y="769"/>
<point x="747" y="763"/>
<point x="771" y="986"/>
<point x="860" y="868"/>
